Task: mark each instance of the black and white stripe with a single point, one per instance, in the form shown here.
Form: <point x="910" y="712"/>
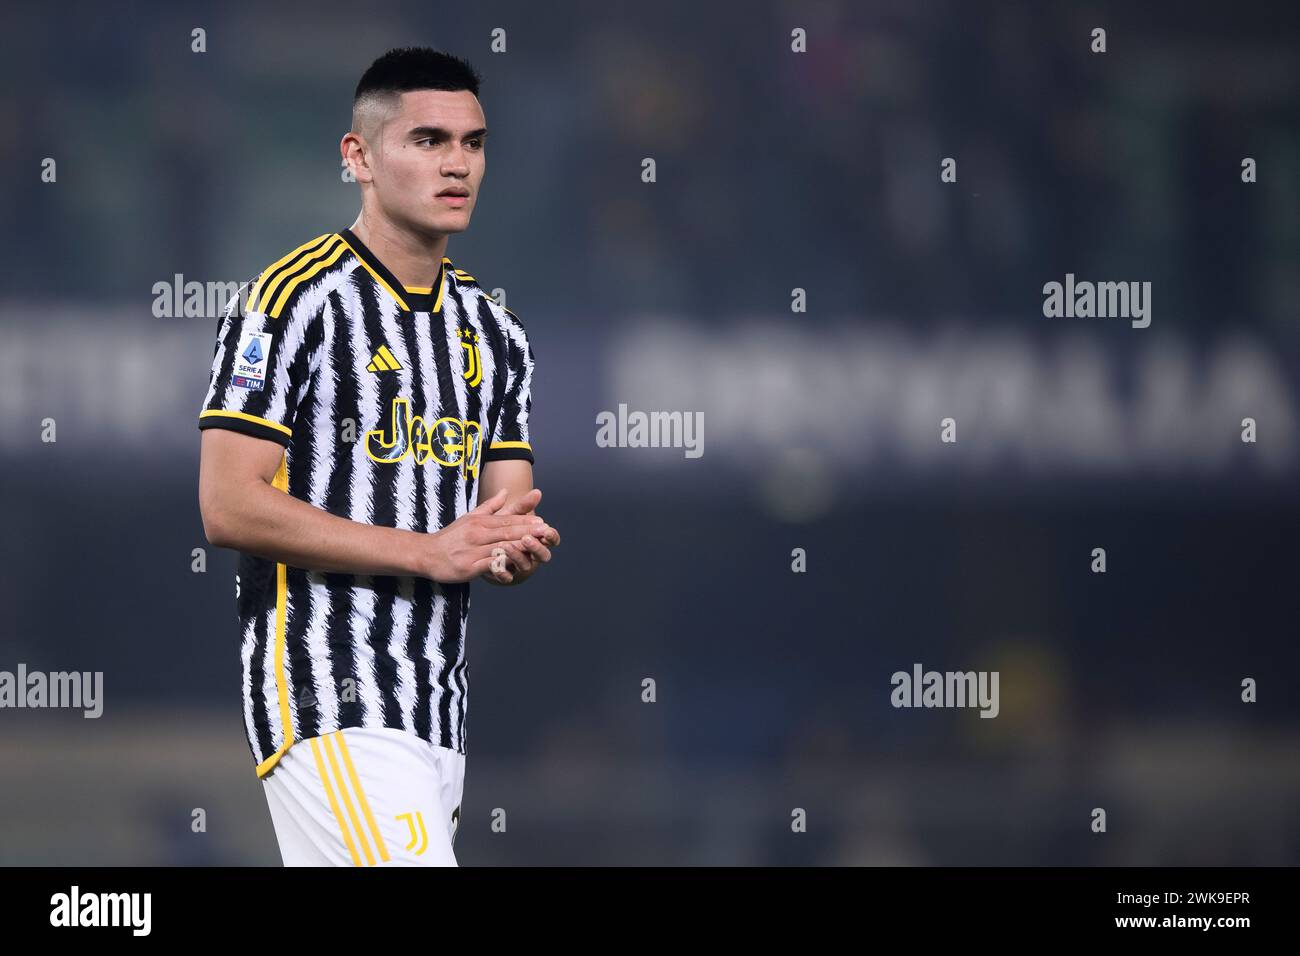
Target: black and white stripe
<point x="362" y="650"/>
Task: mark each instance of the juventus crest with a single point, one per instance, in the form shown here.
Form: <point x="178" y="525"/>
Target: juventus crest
<point x="473" y="373"/>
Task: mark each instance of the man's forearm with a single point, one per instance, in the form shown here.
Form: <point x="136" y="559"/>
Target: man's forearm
<point x="262" y="520"/>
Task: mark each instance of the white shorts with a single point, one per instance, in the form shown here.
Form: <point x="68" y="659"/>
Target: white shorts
<point x="366" y="796"/>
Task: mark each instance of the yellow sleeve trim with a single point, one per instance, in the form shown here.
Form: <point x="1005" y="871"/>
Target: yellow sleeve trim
<point x="511" y="444"/>
<point x="246" y="417"/>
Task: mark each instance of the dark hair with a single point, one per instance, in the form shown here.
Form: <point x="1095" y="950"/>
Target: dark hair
<point x="416" y="68"/>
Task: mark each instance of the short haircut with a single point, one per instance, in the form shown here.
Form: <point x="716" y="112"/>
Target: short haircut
<point x="412" y="68"/>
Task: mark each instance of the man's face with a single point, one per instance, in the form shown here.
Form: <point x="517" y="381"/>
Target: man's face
<point x="429" y="160"/>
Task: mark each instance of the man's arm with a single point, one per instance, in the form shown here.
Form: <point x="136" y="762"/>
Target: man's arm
<point x="242" y="509"/>
<point x="515" y="478"/>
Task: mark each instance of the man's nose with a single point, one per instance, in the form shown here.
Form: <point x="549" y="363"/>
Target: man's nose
<point x="456" y="161"/>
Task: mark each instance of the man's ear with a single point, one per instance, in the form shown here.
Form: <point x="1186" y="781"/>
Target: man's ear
<point x="356" y="153"/>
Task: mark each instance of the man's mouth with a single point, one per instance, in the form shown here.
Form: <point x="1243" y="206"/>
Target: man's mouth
<point x="454" y="195"/>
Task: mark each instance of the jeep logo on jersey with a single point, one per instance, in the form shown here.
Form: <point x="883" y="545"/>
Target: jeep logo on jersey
<point x="451" y="442"/>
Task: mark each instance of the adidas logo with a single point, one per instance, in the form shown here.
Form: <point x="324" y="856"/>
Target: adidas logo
<point x="383" y="361"/>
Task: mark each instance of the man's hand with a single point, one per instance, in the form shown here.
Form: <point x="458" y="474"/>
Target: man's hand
<point x="525" y="556"/>
<point x="463" y="549"/>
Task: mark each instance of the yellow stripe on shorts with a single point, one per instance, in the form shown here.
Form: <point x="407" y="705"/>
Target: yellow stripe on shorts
<point x="334" y="804"/>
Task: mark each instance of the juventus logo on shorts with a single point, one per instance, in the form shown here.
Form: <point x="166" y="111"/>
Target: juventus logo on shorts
<point x="419" y="836"/>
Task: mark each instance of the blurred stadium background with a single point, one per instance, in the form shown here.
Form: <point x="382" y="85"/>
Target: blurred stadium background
<point x="775" y="171"/>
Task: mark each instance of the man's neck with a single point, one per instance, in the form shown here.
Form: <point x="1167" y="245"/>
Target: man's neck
<point x="413" y="259"/>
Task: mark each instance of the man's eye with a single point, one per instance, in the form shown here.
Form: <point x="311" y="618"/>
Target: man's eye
<point x="476" y="143"/>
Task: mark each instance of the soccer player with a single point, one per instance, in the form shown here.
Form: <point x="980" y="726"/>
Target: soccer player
<point x="365" y="447"/>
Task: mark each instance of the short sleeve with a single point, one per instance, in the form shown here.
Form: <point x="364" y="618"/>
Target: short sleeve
<point x="260" y="370"/>
<point x="510" y="439"/>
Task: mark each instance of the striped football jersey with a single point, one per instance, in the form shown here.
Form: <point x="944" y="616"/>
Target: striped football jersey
<point x="388" y="401"/>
